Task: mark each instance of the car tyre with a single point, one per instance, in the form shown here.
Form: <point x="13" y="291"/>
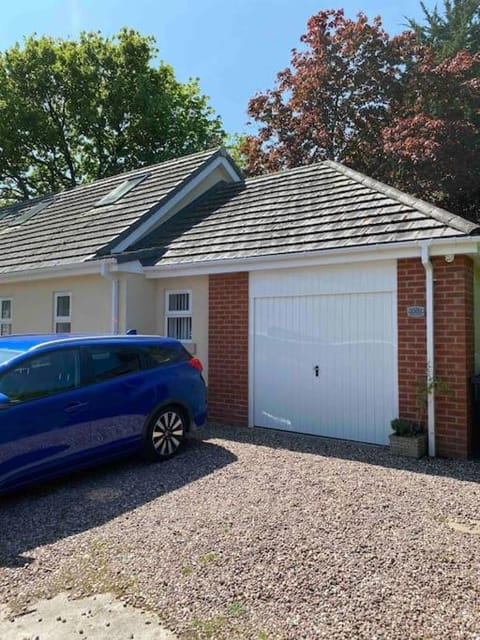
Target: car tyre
<point x="165" y="434"/>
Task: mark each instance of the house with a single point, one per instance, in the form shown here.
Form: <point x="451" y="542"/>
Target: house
<point x="315" y="297"/>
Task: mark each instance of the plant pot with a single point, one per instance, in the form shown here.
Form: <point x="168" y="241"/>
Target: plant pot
<point x="409" y="446"/>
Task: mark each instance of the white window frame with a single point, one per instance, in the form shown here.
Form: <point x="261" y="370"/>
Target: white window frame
<point x="61" y="319"/>
<point x="6" y="322"/>
<point x="178" y="314"/>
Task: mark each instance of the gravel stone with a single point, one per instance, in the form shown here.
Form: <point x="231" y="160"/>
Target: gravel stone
<point x="259" y="534"/>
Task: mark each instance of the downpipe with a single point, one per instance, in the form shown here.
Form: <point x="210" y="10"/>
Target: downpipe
<point x="430" y="348"/>
<point x="115" y="286"/>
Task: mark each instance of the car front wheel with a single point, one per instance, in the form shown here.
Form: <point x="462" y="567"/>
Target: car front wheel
<point x="166" y="434"/>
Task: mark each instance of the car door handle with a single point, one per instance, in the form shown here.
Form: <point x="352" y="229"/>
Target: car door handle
<point x="75" y="406"/>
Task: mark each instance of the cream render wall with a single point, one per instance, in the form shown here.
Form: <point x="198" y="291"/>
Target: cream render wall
<point x="33" y="304"/>
<point x="137" y="304"/>
<point x="141" y="305"/>
<point x="199" y="288"/>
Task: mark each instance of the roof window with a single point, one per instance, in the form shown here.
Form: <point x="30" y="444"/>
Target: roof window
<point x="30" y="212"/>
<point x="121" y="190"/>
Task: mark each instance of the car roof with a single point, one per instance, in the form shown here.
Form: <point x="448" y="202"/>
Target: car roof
<point x="27" y="342"/>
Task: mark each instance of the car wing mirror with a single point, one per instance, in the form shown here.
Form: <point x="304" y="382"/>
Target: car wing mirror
<point x="5" y="401"/>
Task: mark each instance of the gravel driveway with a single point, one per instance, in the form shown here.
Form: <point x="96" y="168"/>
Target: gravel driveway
<point x="262" y="535"/>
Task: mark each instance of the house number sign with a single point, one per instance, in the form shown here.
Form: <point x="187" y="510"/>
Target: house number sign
<point x="416" y="312"/>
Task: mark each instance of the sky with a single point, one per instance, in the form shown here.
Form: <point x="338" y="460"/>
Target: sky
<point x="234" y="47"/>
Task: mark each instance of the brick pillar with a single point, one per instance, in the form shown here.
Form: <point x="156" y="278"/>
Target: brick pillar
<point x="454" y="353"/>
<point x="454" y="347"/>
<point x="412" y="342"/>
<point x="228" y="348"/>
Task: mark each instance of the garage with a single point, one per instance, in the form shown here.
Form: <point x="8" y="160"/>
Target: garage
<point x="323" y="350"/>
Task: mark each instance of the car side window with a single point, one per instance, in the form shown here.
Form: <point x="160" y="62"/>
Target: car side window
<point x="158" y="355"/>
<point x="42" y="375"/>
<point x="112" y="361"/>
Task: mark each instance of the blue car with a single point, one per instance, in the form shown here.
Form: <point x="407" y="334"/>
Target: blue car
<point x="68" y="402"/>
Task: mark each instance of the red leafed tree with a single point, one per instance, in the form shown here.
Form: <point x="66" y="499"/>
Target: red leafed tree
<point x="333" y="101"/>
<point x="381" y="105"/>
<point x="432" y="145"/>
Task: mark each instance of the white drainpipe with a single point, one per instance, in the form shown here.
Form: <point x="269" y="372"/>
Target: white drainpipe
<point x="105" y="272"/>
<point x="430" y="348"/>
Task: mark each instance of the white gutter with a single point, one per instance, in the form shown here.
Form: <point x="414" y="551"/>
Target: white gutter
<point x="430" y="349"/>
<point x="105" y="272"/>
<point x="343" y="255"/>
<point x="58" y="271"/>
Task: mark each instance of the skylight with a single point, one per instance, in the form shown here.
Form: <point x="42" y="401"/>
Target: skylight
<point x="121" y="190"/>
<point x="30" y="212"/>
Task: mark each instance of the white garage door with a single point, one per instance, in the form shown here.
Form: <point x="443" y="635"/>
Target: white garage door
<point x="325" y="351"/>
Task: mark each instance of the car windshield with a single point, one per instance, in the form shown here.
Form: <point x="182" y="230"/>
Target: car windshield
<point x="8" y="354"/>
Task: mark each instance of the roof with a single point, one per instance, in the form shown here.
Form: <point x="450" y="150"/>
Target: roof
<point x="71" y="229"/>
<point x="317" y="207"/>
<point x="313" y="208"/>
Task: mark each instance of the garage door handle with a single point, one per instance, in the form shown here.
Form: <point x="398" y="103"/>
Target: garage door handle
<point x="316" y="368"/>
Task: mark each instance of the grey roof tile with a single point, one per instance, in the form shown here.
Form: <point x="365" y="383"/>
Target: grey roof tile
<point x="72" y="229"/>
<point x="312" y="208"/>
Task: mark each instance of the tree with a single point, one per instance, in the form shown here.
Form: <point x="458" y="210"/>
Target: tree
<point x="333" y="101"/>
<point x="73" y="111"/>
<point x="432" y="146"/>
<point x="384" y="106"/>
<point x="458" y="29"/>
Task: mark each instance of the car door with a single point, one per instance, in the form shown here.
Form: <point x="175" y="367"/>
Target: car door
<point x="118" y="394"/>
<point x="46" y="423"/>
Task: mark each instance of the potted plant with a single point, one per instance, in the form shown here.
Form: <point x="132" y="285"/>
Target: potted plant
<point x="409" y="438"/>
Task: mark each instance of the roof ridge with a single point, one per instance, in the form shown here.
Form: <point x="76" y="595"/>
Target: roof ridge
<point x="208" y="153"/>
<point x="282" y="172"/>
<point x="437" y="213"/>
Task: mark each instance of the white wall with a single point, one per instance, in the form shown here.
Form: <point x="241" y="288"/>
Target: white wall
<point x="137" y="304"/>
<point x="33" y="304"/>
<point x="199" y="287"/>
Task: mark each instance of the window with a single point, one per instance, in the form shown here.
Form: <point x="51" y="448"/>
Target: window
<point x="30" y="212"/>
<point x="156" y="356"/>
<point x="107" y="362"/>
<point x="62" y="321"/>
<point x="178" y="316"/>
<point x="121" y="190"/>
<point x="5" y="316"/>
<point x="42" y="375"/>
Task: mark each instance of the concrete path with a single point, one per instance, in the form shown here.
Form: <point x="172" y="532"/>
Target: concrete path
<point x="100" y="617"/>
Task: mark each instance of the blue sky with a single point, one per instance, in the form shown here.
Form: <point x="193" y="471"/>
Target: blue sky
<point x="235" y="47"/>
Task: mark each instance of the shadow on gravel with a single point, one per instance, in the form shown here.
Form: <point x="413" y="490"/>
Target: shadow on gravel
<point x="41" y="515"/>
<point x="467" y="470"/>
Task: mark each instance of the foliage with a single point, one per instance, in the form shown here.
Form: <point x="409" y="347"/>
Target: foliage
<point x="406" y="428"/>
<point x="385" y="106"/>
<point x="458" y="29"/>
<point x="332" y="102"/>
<point x="424" y="388"/>
<point x="72" y="111"/>
<point x="431" y="147"/>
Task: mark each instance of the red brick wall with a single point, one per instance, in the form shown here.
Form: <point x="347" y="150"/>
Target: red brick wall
<point x="454" y="353"/>
<point x="412" y="345"/>
<point x="228" y="348"/>
<point x="454" y="347"/>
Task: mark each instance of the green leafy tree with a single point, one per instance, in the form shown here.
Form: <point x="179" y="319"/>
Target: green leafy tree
<point x="455" y="29"/>
<point x="73" y="111"/>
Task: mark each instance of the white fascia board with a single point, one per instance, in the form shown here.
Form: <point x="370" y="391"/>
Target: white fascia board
<point x="162" y="214"/>
<point x="442" y="246"/>
<point x="60" y="271"/>
<point x="134" y="266"/>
